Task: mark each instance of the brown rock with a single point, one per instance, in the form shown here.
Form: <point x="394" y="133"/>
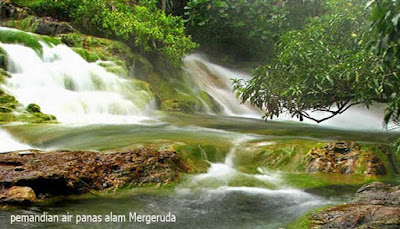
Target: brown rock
<point x="18" y="194"/>
<point x="375" y="205"/>
<point x="343" y="157"/>
<point x="66" y="172"/>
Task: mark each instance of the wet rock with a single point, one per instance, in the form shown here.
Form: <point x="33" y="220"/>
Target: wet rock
<point x="67" y="172"/>
<point x="375" y="193"/>
<point x="18" y="195"/>
<point x="343" y="158"/>
<point x="52" y="27"/>
<point x="12" y="11"/>
<point x="375" y="205"/>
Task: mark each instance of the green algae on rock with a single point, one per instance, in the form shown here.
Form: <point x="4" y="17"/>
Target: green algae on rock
<point x="13" y="36"/>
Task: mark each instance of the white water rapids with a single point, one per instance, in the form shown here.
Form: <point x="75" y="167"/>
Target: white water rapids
<point x="63" y="84"/>
<point x="216" y="183"/>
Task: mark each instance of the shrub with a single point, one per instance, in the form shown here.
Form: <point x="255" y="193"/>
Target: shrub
<point x="141" y="26"/>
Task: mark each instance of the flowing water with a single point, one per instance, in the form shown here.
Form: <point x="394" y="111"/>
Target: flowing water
<point x="99" y="110"/>
<point x="67" y="86"/>
<point x="217" y="82"/>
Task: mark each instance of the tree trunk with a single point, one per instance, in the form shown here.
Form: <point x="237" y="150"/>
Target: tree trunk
<point x="163" y="5"/>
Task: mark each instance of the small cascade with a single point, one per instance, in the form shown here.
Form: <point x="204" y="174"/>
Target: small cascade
<point x="8" y="143"/>
<point x="63" y="84"/>
<point x="216" y="81"/>
<point x="222" y="175"/>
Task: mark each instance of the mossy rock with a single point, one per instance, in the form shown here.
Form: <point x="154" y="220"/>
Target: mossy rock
<point x="13" y="36"/>
<point x="174" y="94"/>
<point x="88" y="56"/>
<point x="12" y="111"/>
<point x="33" y="108"/>
<point x="112" y="67"/>
<point x="28" y="24"/>
<point x="3" y="60"/>
<point x="94" y="48"/>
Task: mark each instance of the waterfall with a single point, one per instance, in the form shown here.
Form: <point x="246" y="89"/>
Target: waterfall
<point x="216" y="81"/>
<point x="63" y="84"/>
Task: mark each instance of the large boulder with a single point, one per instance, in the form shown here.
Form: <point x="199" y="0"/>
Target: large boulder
<point x="375" y="205"/>
<point x="67" y="172"/>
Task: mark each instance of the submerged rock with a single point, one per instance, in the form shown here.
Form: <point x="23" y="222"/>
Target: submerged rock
<point x="67" y="172"/>
<point x="375" y="205"/>
<point x="344" y="158"/>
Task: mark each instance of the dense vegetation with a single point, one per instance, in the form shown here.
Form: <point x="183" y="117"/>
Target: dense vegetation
<point x="328" y="65"/>
<point x="245" y="30"/>
<point x="318" y="55"/>
<point x="142" y="25"/>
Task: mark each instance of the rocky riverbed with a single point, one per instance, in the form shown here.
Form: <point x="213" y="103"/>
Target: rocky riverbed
<point x="26" y="176"/>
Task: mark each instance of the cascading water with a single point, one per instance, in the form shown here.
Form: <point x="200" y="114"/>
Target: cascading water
<point x="223" y="182"/>
<point x="63" y="84"/>
<point x="216" y="81"/>
<point x="9" y="144"/>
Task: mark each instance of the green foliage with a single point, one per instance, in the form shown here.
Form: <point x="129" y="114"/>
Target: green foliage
<point x="142" y="26"/>
<point x="324" y="67"/>
<point x="246" y="30"/>
<point x="386" y="27"/>
<point x="386" y="45"/>
<point x="61" y="9"/>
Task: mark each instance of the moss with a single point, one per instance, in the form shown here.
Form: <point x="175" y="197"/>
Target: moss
<point x="28" y="24"/>
<point x="27" y="3"/>
<point x="193" y="160"/>
<point x="99" y="85"/>
<point x="142" y="67"/>
<point x="105" y="49"/>
<point x="12" y="111"/>
<point x="196" y="156"/>
<point x="69" y="83"/>
<point x="305" y="222"/>
<point x="13" y="36"/>
<point x="88" y="56"/>
<point x="112" y="67"/>
<point x="33" y="108"/>
<point x="285" y="155"/>
<point x="3" y="61"/>
<point x="173" y="94"/>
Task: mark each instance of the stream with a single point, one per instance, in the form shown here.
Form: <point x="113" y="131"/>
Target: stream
<point x="220" y="198"/>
